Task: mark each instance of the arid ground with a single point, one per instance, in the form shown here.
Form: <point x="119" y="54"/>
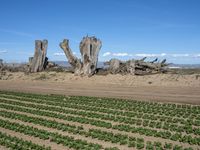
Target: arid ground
<point x="72" y="122"/>
<point x="159" y="87"/>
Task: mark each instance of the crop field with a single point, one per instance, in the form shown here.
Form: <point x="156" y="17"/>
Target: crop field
<point x="44" y="122"/>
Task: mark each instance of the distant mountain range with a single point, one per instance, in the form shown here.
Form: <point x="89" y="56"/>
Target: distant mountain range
<point x="101" y="65"/>
<point x="66" y="64"/>
<point x="184" y="66"/>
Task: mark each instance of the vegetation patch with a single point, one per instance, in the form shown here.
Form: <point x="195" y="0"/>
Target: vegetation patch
<point x="122" y="124"/>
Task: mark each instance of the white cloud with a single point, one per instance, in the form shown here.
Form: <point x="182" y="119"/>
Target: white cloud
<point x="59" y="54"/>
<point x="163" y="54"/>
<point x="151" y="55"/>
<point x="62" y="54"/>
<point x="124" y="54"/>
<point x="115" y="54"/>
<point x="120" y="54"/>
<point x="3" y="51"/>
<point x="106" y="54"/>
<point x="196" y="55"/>
<point x="144" y="55"/>
<point x="180" y="55"/>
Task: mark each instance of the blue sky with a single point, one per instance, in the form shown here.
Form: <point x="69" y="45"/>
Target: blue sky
<point x="128" y="28"/>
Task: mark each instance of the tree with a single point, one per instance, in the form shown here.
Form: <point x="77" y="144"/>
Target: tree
<point x="136" y="67"/>
<point x="89" y="49"/>
<point x="39" y="61"/>
<point x="1" y="63"/>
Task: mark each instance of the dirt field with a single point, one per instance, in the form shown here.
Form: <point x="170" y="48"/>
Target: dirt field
<point x="166" y="88"/>
<point x="93" y="116"/>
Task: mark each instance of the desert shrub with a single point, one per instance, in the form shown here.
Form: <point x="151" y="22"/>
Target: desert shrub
<point x="42" y="77"/>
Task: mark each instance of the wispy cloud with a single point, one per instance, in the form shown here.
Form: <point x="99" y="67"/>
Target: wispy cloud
<point x="125" y="54"/>
<point x="19" y="33"/>
<point x="120" y="54"/>
<point x="197" y="55"/>
<point x="59" y="54"/>
<point x="62" y="54"/>
<point x="181" y="55"/>
<point x="3" y="51"/>
<point x="151" y="55"/>
<point x="106" y="54"/>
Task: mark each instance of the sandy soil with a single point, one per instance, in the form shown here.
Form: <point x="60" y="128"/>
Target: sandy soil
<point x="3" y="148"/>
<point x="160" y="87"/>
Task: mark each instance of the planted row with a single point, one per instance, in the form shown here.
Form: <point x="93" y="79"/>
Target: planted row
<point x="146" y="123"/>
<point x="172" y="110"/>
<point x="15" y="143"/>
<point x="82" y="120"/>
<point x="122" y="127"/>
<point x="122" y="139"/>
<point x="191" y="121"/>
<point x="53" y="137"/>
<point x="110" y="102"/>
<point x="94" y="133"/>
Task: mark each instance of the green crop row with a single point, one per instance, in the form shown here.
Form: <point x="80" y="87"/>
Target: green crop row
<point x="152" y="124"/>
<point x="109" y="101"/>
<point x="122" y="127"/>
<point x="122" y="139"/>
<point x="53" y="137"/>
<point x="94" y="133"/>
<point x="146" y="107"/>
<point x="192" y="121"/>
<point x="15" y="143"/>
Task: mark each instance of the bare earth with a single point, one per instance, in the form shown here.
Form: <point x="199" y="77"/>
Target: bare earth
<point x="159" y="87"/>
